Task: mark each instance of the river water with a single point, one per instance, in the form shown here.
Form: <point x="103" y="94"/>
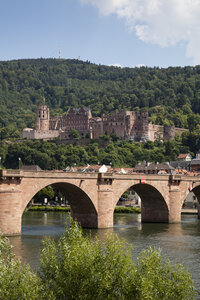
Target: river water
<point x="179" y="242"/>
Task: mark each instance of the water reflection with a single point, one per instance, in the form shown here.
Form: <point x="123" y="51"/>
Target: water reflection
<point x="179" y="242"/>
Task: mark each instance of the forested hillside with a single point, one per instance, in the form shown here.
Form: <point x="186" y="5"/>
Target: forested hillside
<point x="171" y="95"/>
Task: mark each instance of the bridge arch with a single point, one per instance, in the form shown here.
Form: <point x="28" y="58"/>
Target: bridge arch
<point x="154" y="207"/>
<point x="83" y="208"/>
<point x="196" y="191"/>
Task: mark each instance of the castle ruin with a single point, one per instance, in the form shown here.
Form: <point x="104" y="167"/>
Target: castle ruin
<point x="128" y="125"/>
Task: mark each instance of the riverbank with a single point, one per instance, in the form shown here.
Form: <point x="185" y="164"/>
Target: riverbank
<point x="118" y="209"/>
<point x="189" y="211"/>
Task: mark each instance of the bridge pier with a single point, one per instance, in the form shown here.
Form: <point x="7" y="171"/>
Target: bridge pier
<point x="175" y="204"/>
<point x="105" y="208"/>
<point x="93" y="196"/>
<point x="86" y="220"/>
<point x="10" y="212"/>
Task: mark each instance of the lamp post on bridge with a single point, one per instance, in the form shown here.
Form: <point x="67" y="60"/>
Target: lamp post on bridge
<point x="19" y="159"/>
<point x="0" y="162"/>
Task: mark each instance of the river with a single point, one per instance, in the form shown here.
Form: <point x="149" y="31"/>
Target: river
<point x="179" y="242"/>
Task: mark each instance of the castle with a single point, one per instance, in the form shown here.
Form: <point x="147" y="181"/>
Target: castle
<point x="125" y="124"/>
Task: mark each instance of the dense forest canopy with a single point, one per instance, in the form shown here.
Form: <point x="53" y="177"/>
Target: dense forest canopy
<point x="50" y="155"/>
<point x="172" y="95"/>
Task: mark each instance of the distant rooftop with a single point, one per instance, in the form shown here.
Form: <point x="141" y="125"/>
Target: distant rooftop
<point x="30" y="168"/>
<point x="183" y="155"/>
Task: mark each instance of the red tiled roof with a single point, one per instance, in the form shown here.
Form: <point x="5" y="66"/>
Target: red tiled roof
<point x="184" y="155"/>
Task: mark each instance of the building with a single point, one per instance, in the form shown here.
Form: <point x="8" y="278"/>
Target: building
<point x="75" y="118"/>
<point x="152" y="168"/>
<point x="185" y="157"/>
<point x="125" y="124"/>
<point x="42" y="129"/>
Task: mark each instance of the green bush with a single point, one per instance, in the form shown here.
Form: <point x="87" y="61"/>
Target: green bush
<point x="118" y="209"/>
<point x="127" y="210"/>
<point x="78" y="267"/>
<point x="157" y="279"/>
<point x="49" y="208"/>
<point x="18" y="281"/>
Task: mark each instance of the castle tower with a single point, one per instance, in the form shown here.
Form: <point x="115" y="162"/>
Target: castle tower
<point x="141" y="126"/>
<point x="42" y="118"/>
<point x="169" y="132"/>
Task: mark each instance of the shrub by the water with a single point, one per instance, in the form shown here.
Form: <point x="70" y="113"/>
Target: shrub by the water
<point x="17" y="281"/>
<point x="118" y="209"/>
<point x="78" y="267"/>
<point x="49" y="208"/>
<point x="127" y="210"/>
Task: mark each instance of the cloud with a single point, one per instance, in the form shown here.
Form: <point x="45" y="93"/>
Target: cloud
<point x="162" y="22"/>
<point x="140" y="66"/>
<point x="116" y="65"/>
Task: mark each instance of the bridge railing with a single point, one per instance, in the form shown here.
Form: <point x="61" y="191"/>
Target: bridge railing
<point x="7" y="172"/>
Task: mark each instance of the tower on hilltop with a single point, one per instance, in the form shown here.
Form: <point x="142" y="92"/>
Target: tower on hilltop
<point x="42" y="117"/>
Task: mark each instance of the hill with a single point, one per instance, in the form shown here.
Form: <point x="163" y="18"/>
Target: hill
<point x="172" y="95"/>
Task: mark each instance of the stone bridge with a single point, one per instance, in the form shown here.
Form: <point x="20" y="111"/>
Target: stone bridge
<point x="93" y="196"/>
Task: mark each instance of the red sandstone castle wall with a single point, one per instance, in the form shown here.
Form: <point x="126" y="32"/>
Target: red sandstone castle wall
<point x="155" y="132"/>
<point x="125" y="124"/>
<point x="42" y="118"/>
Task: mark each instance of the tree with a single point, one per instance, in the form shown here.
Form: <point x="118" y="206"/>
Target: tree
<point x="18" y="281"/>
<point x="46" y="192"/>
<point x="78" y="267"/>
<point x="157" y="279"/>
<point x="74" y="134"/>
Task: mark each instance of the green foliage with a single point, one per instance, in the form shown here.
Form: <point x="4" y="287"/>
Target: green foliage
<point x="156" y="279"/>
<point x="169" y="94"/>
<point x="118" y="209"/>
<point x="77" y="267"/>
<point x="49" y="208"/>
<point x="74" y="134"/>
<point x="18" y="281"/>
<point x="50" y="156"/>
<point x="46" y="192"/>
<point x="127" y="210"/>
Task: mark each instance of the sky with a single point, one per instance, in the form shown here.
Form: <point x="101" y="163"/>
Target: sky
<point x="126" y="33"/>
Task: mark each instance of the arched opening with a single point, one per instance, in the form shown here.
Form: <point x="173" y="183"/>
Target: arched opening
<point x="195" y="194"/>
<point x="191" y="200"/>
<point x="130" y="199"/>
<point x="153" y="205"/>
<point x="81" y="206"/>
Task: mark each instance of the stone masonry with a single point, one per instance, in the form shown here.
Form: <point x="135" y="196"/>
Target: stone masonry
<point x="125" y="124"/>
<point x="93" y="197"/>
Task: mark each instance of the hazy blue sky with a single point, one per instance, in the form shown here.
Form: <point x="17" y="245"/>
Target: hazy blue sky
<point x="125" y="32"/>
